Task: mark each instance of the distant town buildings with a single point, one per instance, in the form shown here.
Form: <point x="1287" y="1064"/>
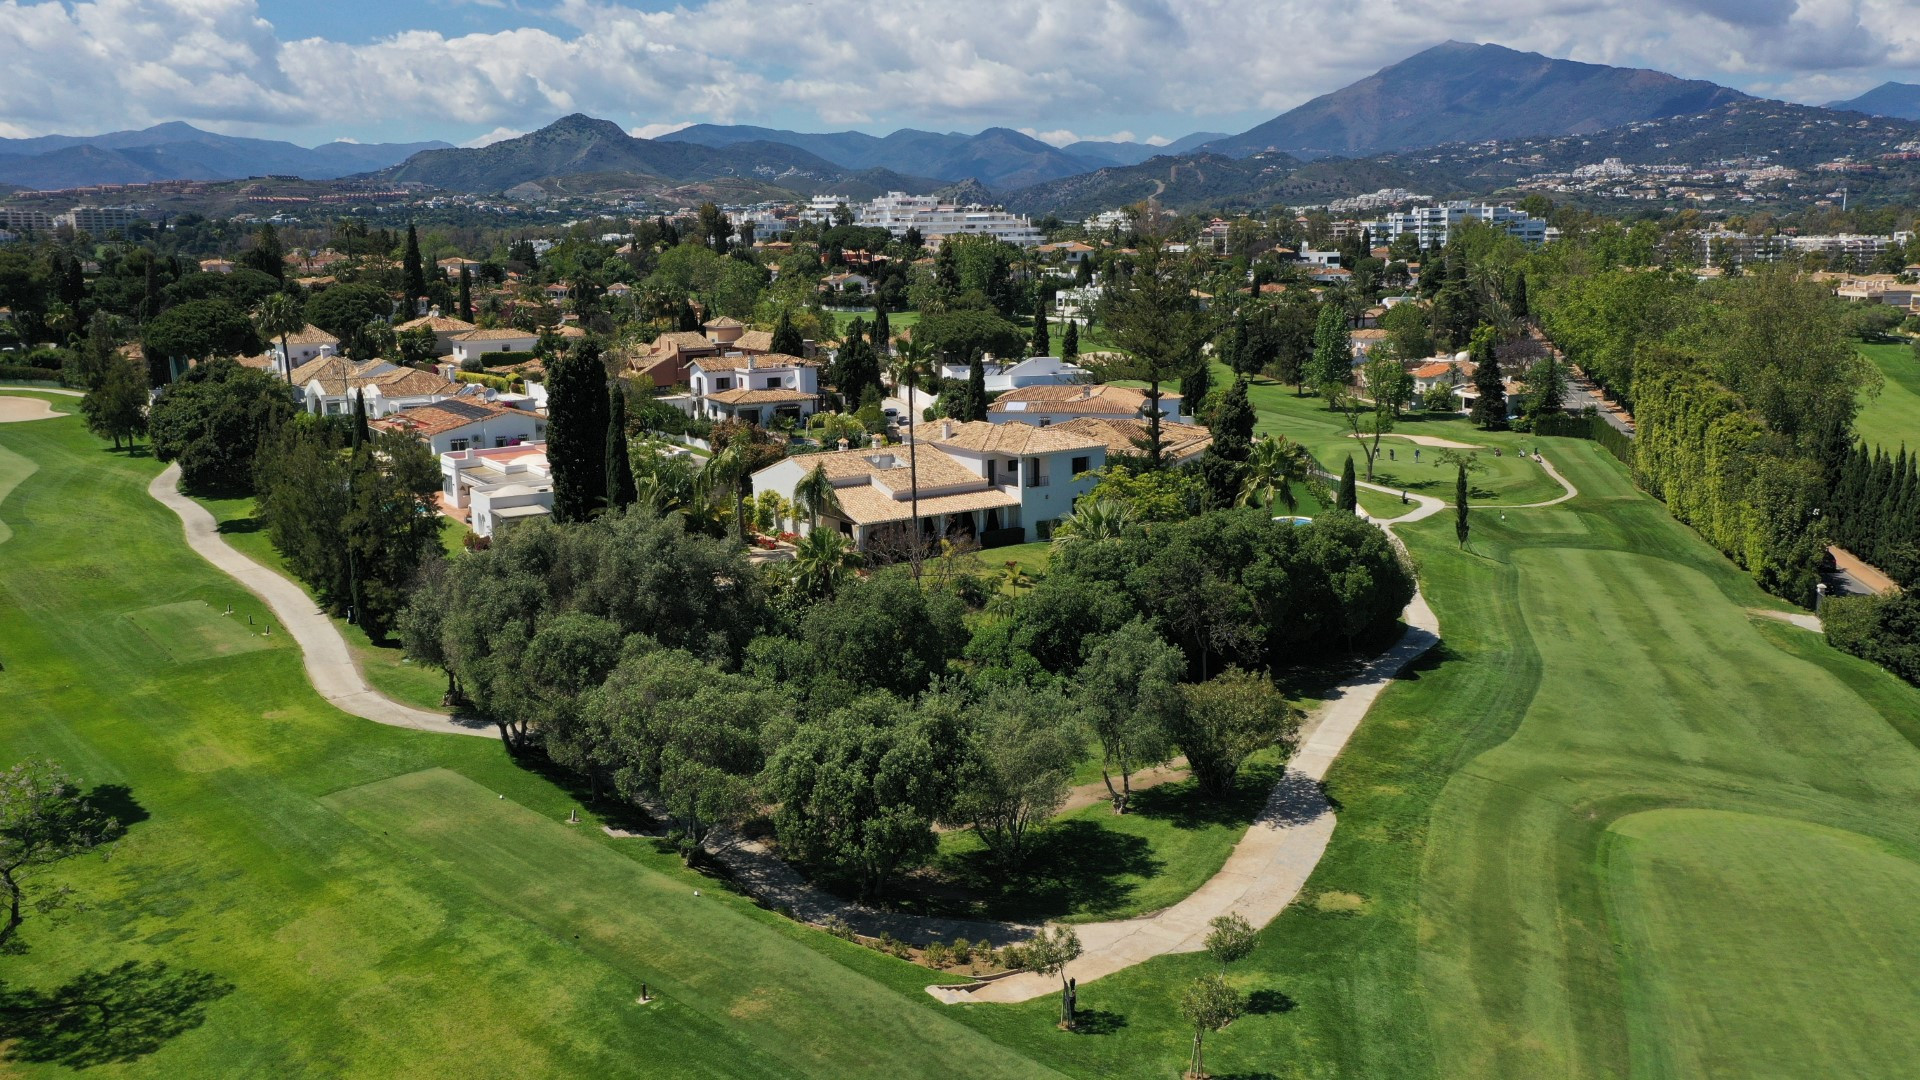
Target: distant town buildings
<point x="1434" y="224"/>
<point x="897" y="211"/>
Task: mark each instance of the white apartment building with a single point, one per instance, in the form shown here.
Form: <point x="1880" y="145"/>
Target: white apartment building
<point x="18" y="219"/>
<point x="1434" y="224"/>
<point x="1005" y="375"/>
<point x="1718" y="247"/>
<point x="897" y="211"/>
<point x="100" y="219"/>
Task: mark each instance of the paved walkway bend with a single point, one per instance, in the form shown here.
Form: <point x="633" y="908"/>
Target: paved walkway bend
<point x="329" y="660"/>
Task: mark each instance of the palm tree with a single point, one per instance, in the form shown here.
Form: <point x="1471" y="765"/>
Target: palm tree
<point x="1275" y="464"/>
<point x="1094" y="519"/>
<point x="913" y="362"/>
<point x="821" y="560"/>
<point x="814" y="496"/>
<point x="729" y="469"/>
<point x="278" y="316"/>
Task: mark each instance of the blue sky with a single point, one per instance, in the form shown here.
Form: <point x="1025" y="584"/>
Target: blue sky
<point x="473" y="70"/>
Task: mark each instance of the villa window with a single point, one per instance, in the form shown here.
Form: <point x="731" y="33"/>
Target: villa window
<point x="1081" y="465"/>
<point x="456" y="446"/>
<point x="722" y="384"/>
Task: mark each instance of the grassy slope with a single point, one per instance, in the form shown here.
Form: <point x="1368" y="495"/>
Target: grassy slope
<point x="1892" y="418"/>
<point x="279" y="854"/>
<point x="386" y="668"/>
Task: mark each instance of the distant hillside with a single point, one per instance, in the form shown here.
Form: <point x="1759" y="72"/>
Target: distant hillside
<point x="997" y="157"/>
<point x="1207" y="181"/>
<point x="578" y="146"/>
<point x="1103" y="154"/>
<point x="1459" y="92"/>
<point x="178" y="151"/>
<point x="1898" y="100"/>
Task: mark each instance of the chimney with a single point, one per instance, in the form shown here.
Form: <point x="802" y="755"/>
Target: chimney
<point x="843" y="442"/>
<point x="946" y="429"/>
<point x="434" y="311"/>
<point x="878" y="441"/>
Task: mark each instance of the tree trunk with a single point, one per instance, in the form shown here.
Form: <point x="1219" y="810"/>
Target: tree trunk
<point x="14" y="918"/>
<point x="1153" y="423"/>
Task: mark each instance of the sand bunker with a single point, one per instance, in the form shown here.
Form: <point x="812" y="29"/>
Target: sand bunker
<point x="13" y="410"/>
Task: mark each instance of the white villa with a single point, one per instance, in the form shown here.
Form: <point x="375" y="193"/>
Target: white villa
<point x="1044" y="405"/>
<point x="472" y="344"/>
<point x="459" y="424"/>
<point x="493" y="490"/>
<point x="327" y="385"/>
<point x="1005" y="375"/>
<point x="444" y="328"/>
<point x="308" y="344"/>
<point x="753" y="387"/>
<point x="991" y="483"/>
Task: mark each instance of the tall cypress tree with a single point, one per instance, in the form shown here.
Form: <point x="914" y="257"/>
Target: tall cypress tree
<point x="786" y="338"/>
<point x="577" y="430"/>
<point x="1349" y="498"/>
<point x="1459" y="503"/>
<point x="1490" y="406"/>
<point x="150" y="288"/>
<point x="413" y="274"/>
<point x="466" y="294"/>
<point x="1519" y="301"/>
<point x="1194" y="386"/>
<point x="1233" y="424"/>
<point x="976" y="388"/>
<point x="1042" y="342"/>
<point x="1070" y="344"/>
<point x="882" y="331"/>
<point x="360" y="434"/>
<point x="620" y="487"/>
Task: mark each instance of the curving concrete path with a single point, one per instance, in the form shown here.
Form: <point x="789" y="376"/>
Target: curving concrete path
<point x="330" y="664"/>
<point x="1271" y="863"/>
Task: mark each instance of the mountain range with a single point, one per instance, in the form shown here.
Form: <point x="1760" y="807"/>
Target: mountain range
<point x="1000" y="158"/>
<point x="1460" y="92"/>
<point x="579" y="153"/>
<point x="1898" y="100"/>
<point x="177" y="151"/>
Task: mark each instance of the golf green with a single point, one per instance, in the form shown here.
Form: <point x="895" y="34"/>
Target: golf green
<point x="1891" y="418"/>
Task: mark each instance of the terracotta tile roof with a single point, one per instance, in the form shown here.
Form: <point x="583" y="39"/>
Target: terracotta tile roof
<point x="439" y="324"/>
<point x="1094" y="399"/>
<point x="1437" y="368"/>
<point x="499" y="334"/>
<point x="889" y="466"/>
<point x="1178" y="441"/>
<point x="413" y="383"/>
<point x="871" y="506"/>
<point x="681" y="341"/>
<point x="436" y="419"/>
<point x="263" y="362"/>
<point x="755" y="341"/>
<point x="724" y="323"/>
<point x="312" y="335"/>
<point x="1368" y="334"/>
<point x="1012" y="439"/>
<point x="759" y="397"/>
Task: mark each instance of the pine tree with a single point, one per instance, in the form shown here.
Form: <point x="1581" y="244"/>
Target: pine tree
<point x="1042" y="343"/>
<point x="466" y="294"/>
<point x="1070" y="344"/>
<point x="577" y="430"/>
<point x="976" y="388"/>
<point x="620" y="486"/>
<point x="413" y="273"/>
<point x="1233" y="424"/>
<point x="1349" y="499"/>
<point x="787" y="339"/>
<point x="1460" y="504"/>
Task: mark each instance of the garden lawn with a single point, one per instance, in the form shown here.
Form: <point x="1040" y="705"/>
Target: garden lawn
<point x="1892" y="418"/>
<point x="896" y="320"/>
<point x="336" y="898"/>
<point x="383" y="662"/>
<point x="1091" y="864"/>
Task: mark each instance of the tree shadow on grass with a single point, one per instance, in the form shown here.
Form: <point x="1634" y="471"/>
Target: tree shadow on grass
<point x="1072" y="866"/>
<point x="107" y="1017"/>
<point x="1269" y="1002"/>
<point x="240" y="525"/>
<point x="117" y="802"/>
<point x="1184" y="806"/>
<point x="1097" y="1022"/>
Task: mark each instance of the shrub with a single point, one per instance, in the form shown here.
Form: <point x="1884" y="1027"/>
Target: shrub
<point x="1883" y="629"/>
<point x="838" y="927"/>
<point x="937" y="955"/>
<point x="1011" y="957"/>
<point x="28" y="373"/>
<point x="961" y="950"/>
<point x="505" y="358"/>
